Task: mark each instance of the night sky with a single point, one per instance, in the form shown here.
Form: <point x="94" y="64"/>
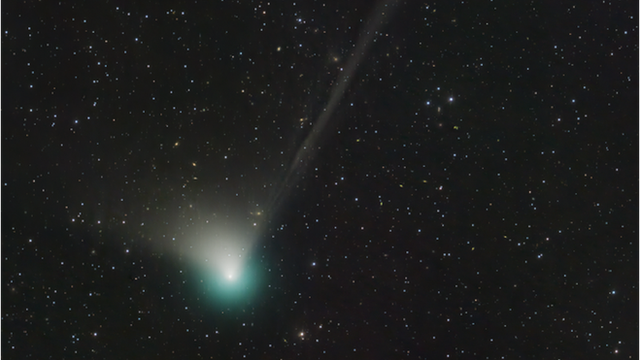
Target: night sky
<point x="309" y="179"/>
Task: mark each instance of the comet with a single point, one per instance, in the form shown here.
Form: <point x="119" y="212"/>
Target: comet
<point x="222" y="248"/>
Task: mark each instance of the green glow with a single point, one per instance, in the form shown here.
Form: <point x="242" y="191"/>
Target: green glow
<point x="220" y="252"/>
<point x="226" y="288"/>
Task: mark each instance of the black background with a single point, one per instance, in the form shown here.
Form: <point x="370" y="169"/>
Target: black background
<point x="474" y="194"/>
